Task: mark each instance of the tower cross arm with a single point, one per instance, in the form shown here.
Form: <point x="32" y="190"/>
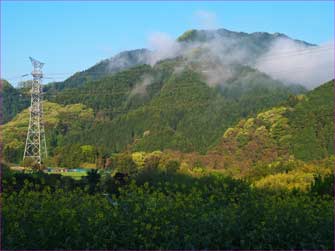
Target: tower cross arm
<point x="36" y="63"/>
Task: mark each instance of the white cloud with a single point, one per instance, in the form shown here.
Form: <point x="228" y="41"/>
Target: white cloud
<point x="141" y="87"/>
<point x="292" y="62"/>
<point x="163" y="46"/>
<point x="287" y="60"/>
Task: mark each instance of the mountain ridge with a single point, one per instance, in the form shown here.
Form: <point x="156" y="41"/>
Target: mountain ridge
<point x="257" y="41"/>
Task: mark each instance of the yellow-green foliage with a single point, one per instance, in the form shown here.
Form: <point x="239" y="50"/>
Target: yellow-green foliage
<point x="261" y="131"/>
<point x="88" y="165"/>
<point x="258" y="139"/>
<point x="15" y="144"/>
<point x="15" y="131"/>
<point x="198" y="170"/>
<point x="17" y="127"/>
<point x="291" y="180"/>
<point x="74" y="175"/>
<point x="184" y="166"/>
<point x="250" y="123"/>
<point x="154" y="154"/>
<point x="270" y="123"/>
<point x="229" y="132"/>
<point x="138" y="158"/>
<point x="300" y="178"/>
<point x="271" y="116"/>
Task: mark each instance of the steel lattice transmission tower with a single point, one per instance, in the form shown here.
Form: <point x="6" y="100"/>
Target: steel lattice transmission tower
<point x="36" y="148"/>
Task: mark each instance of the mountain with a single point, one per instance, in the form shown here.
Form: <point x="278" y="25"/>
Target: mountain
<point x="284" y="147"/>
<point x="238" y="47"/>
<point x="173" y="109"/>
<point x="224" y="45"/>
<point x="259" y="39"/>
<point x="184" y="103"/>
<point x="213" y="51"/>
<point x="13" y="101"/>
<point x="156" y="108"/>
<point x="121" y="61"/>
<point x="303" y="129"/>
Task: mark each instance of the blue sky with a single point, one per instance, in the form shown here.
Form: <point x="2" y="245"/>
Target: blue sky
<point x="72" y="36"/>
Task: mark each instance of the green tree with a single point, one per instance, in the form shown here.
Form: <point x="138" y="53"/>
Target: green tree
<point x="125" y="164"/>
<point x="93" y="178"/>
<point x="172" y="166"/>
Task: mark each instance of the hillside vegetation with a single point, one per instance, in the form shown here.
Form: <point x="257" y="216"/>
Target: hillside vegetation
<point x="13" y="101"/>
<point x="59" y="122"/>
<point x="301" y="127"/>
<point x="155" y="108"/>
<point x="195" y="150"/>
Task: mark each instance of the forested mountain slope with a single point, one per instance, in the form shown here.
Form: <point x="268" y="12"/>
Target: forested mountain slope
<point x="176" y="111"/>
<point x="13" y="101"/>
<point x="59" y="122"/>
<point x="169" y="109"/>
<point x="312" y="123"/>
<point x="303" y="128"/>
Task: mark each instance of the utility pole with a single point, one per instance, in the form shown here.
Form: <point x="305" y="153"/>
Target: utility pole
<point x="35" y="148"/>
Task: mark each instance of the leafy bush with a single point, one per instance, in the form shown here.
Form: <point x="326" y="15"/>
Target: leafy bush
<point x="323" y="185"/>
<point x="212" y="212"/>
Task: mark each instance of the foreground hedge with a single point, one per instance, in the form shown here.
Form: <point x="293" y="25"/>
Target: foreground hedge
<point x="221" y="214"/>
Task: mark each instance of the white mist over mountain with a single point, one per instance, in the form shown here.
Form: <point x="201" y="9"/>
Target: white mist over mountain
<point x="291" y="62"/>
<point x="163" y="47"/>
<point x="140" y="87"/>
<point x="287" y="60"/>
